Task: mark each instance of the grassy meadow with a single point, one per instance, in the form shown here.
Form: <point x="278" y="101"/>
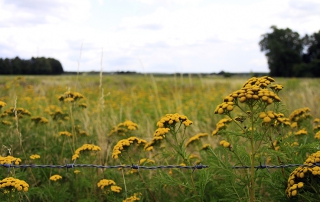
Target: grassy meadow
<point x="159" y="120"/>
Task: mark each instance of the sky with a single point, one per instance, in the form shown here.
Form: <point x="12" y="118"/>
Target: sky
<point x="155" y="36"/>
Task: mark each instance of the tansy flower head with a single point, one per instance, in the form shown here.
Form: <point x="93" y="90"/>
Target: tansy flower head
<point x="225" y="144"/>
<point x="65" y="133"/>
<point x="9" y="160"/>
<point x="11" y="184"/>
<point x="2" y="104"/>
<point x="123" y="128"/>
<point x="302" y="174"/>
<point x="85" y="147"/>
<point x="19" y="112"/>
<point x="169" y="120"/>
<point x="135" y="197"/>
<point x="222" y="124"/>
<point x="124" y="143"/>
<point x="35" y="156"/>
<point x="39" y="119"/>
<point x="55" y="177"/>
<point x="205" y="146"/>
<point x="196" y="137"/>
<point x="70" y="96"/>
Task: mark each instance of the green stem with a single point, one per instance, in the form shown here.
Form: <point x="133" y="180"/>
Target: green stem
<point x="252" y="170"/>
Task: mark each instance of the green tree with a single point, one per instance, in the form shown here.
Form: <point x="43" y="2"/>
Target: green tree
<point x="283" y="48"/>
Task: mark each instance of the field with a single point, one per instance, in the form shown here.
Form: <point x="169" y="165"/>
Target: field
<point x="150" y="120"/>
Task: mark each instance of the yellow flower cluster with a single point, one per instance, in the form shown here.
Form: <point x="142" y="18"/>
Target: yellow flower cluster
<point x="20" y="112"/>
<point x="317" y="136"/>
<point x="299" y="175"/>
<point x="225" y="144"/>
<point x="34" y="156"/>
<point x="85" y="147"/>
<point x="12" y="183"/>
<point x="222" y="124"/>
<point x="55" y="177"/>
<point x="39" y="119"/>
<point x="172" y="119"/>
<point x="254" y="89"/>
<point x="158" y="135"/>
<point x="9" y="160"/>
<point x="70" y="96"/>
<point x="125" y="143"/>
<point x="2" y="104"/>
<point x="276" y="87"/>
<point x="135" y="197"/>
<point x="300" y="114"/>
<point x="301" y="132"/>
<point x="278" y="118"/>
<point x="83" y="105"/>
<point x="122" y="128"/>
<point x="7" y="123"/>
<point x="146" y="160"/>
<point x="205" y="146"/>
<point x="196" y="137"/>
<point x="65" y="133"/>
<point x="105" y="183"/>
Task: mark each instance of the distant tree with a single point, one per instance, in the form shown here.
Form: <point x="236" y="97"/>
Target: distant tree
<point x="283" y="48"/>
<point x="33" y="66"/>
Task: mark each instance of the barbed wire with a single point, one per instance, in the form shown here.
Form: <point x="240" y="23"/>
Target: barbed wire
<point x="261" y="166"/>
<point x="70" y="166"/>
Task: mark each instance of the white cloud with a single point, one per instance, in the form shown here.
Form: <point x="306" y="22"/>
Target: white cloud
<point x="167" y="35"/>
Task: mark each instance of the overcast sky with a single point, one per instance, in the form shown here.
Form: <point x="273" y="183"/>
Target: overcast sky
<point x="150" y="35"/>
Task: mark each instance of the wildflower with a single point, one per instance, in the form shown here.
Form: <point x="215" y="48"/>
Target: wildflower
<point x="83" y="105"/>
<point x="104" y="182"/>
<point x="146" y="160"/>
<point x="301" y="174"/>
<point x="7" y="123"/>
<point x="169" y="120"/>
<point x="55" y="177"/>
<point x="2" y="104"/>
<point x="122" y="144"/>
<point x="11" y="184"/>
<point x="205" y="146"/>
<point x="76" y="171"/>
<point x="300" y="114"/>
<point x="135" y="197"/>
<point x="9" y="160"/>
<point x="19" y="112"/>
<point x="316" y="120"/>
<point x="276" y="87"/>
<point x="317" y="136"/>
<point x="124" y="127"/>
<point x="196" y="137"/>
<point x="39" y="119"/>
<point x="66" y="133"/>
<point x="301" y="132"/>
<point x="70" y="96"/>
<point x="85" y="147"/>
<point x="115" y="188"/>
<point x="222" y="124"/>
<point x="158" y="135"/>
<point x="225" y="144"/>
<point x="34" y="156"/>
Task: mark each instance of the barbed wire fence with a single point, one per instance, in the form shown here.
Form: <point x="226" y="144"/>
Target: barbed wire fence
<point x="138" y="167"/>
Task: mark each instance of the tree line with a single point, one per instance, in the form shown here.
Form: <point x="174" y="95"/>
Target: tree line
<point x="290" y="55"/>
<point x="34" y="66"/>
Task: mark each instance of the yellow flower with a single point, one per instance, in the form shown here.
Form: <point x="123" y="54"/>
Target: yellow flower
<point x="205" y="146"/>
<point x="196" y="137"/>
<point x="105" y="183"/>
<point x="55" y="177"/>
<point x="122" y="144"/>
<point x="115" y="188"/>
<point x="66" y="133"/>
<point x="225" y="144"/>
<point x="85" y="147"/>
<point x="76" y="171"/>
<point x="9" y="160"/>
<point x="35" y="156"/>
<point x="171" y="119"/>
<point x="301" y="132"/>
<point x="135" y="197"/>
<point x="13" y="183"/>
<point x="2" y="104"/>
